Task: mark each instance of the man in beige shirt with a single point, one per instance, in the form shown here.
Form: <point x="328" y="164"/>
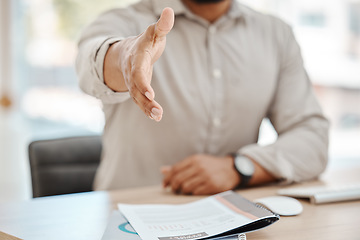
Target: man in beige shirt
<point x="187" y="96"/>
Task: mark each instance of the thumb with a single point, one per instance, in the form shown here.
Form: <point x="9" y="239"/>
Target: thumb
<point x="165" y="23"/>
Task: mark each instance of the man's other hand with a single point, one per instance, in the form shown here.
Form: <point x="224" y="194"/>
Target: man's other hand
<point x="201" y="175"/>
<point x="128" y="64"/>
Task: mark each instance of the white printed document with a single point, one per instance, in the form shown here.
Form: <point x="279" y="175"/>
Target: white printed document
<point x="224" y="214"/>
<point x="118" y="228"/>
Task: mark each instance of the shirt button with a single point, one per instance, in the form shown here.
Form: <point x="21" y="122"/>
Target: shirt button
<point x="212" y="29"/>
<point x="217" y="122"/>
<point x="217" y="73"/>
<point x="108" y="92"/>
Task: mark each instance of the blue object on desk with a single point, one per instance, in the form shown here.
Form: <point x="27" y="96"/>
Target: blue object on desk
<point x="122" y="227"/>
<point x="119" y="228"/>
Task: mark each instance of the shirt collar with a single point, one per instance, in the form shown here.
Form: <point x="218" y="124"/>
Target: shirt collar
<point x="237" y="10"/>
<point x="176" y="5"/>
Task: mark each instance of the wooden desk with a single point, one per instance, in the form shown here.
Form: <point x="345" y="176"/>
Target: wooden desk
<point x="85" y="215"/>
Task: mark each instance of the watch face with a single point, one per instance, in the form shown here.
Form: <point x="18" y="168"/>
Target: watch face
<point x="244" y="165"/>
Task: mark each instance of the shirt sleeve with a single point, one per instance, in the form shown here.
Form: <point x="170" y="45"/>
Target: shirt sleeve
<point x="95" y="40"/>
<point x="300" y="152"/>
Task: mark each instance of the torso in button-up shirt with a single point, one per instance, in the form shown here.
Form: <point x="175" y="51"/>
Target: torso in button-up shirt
<point x="216" y="83"/>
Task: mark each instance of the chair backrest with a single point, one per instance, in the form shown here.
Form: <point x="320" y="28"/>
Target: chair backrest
<point x="65" y="165"/>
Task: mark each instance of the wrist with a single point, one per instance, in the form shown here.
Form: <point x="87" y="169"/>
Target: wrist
<point x="114" y="65"/>
<point x="233" y="175"/>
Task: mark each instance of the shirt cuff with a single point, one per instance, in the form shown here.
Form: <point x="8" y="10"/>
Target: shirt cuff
<point x="270" y="159"/>
<point x="105" y="94"/>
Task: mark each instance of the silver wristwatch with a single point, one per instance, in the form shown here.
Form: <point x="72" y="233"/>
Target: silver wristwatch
<point x="245" y="167"/>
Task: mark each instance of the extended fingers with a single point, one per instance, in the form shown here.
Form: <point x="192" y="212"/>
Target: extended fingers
<point x="151" y="108"/>
<point x="138" y="78"/>
<point x="141" y="74"/>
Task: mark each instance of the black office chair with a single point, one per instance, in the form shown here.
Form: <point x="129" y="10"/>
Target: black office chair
<point x="65" y="165"/>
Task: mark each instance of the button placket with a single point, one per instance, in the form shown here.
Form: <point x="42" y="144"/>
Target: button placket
<point x="212" y="29"/>
<point x="218" y="92"/>
<point x="215" y="74"/>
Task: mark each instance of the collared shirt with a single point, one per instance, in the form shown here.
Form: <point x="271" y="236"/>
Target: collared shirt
<point x="216" y="83"/>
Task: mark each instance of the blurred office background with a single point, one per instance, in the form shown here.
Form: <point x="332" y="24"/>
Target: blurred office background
<point x="40" y="98"/>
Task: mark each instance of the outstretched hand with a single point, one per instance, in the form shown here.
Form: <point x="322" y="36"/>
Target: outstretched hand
<point x="129" y="64"/>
